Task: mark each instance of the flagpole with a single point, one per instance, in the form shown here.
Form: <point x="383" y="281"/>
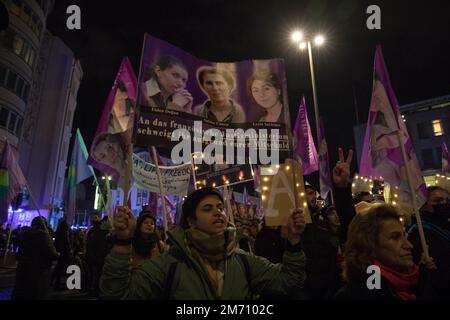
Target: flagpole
<point x="413" y="196"/>
<point x="158" y="173"/>
<point x="9" y="238"/>
<point x="228" y="202"/>
<point x="193" y="172"/>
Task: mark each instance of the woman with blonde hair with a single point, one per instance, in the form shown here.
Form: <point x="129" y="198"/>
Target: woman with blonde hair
<point x="376" y="241"/>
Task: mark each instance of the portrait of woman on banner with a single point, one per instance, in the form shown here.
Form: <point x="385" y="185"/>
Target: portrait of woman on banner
<point x="110" y="150"/>
<point x="165" y="85"/>
<point x="218" y="85"/>
<point x="264" y="89"/>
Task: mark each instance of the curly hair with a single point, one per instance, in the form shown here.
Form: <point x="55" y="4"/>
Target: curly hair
<point x="362" y="238"/>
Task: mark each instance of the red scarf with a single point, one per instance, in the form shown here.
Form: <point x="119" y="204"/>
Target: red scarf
<point x="402" y="282"/>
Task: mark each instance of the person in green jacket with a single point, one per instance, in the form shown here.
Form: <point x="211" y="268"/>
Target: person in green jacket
<point x="203" y="261"/>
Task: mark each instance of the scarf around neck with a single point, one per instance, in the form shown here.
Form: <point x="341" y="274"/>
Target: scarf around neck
<point x="401" y="282"/>
<point x="213" y="247"/>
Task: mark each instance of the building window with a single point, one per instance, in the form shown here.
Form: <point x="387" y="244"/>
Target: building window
<point x="438" y="130"/>
<point x="2" y="75"/>
<point x="26" y="14"/>
<point x="4" y="113"/>
<point x="423" y="129"/>
<point x="15" y="83"/>
<point x="11" y="81"/>
<point x="19" y="46"/>
<point x="11" y="121"/>
<point x="427" y="158"/>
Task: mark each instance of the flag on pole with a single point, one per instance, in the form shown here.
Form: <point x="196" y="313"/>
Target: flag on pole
<point x="112" y="140"/>
<point x="382" y="154"/>
<point x="324" y="163"/>
<point x="445" y="159"/>
<point x="304" y="146"/>
<point x="12" y="180"/>
<point x="78" y="171"/>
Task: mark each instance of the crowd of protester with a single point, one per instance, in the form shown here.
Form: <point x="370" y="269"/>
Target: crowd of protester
<point x="206" y="256"/>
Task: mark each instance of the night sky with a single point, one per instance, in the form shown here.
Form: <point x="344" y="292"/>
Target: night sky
<point x="415" y="39"/>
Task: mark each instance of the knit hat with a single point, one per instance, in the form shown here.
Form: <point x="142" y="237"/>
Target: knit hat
<point x="192" y="201"/>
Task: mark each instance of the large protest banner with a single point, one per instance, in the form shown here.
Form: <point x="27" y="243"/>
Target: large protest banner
<point x="176" y="89"/>
<point x="111" y="145"/>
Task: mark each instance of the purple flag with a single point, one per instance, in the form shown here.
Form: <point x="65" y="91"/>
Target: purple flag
<point x="324" y="163"/>
<point x="445" y="159"/>
<point x="303" y="142"/>
<point x="382" y="155"/>
<point x="113" y="137"/>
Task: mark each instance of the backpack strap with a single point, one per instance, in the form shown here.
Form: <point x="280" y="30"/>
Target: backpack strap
<point x="244" y="262"/>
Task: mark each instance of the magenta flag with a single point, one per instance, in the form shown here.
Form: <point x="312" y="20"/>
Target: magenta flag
<point x="304" y="146"/>
<point x="445" y="159"/>
<point x="324" y="163"/>
<point x="112" y="140"/>
<point x="382" y="155"/>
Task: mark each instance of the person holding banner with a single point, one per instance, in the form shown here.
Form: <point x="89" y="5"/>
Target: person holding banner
<point x="265" y="90"/>
<point x="203" y="261"/>
<point x="166" y="85"/>
<point x="435" y="216"/>
<point x="377" y="239"/>
<point x="218" y="84"/>
<point x="146" y="242"/>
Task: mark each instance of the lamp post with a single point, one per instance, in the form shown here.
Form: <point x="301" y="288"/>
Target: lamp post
<point x="304" y="43"/>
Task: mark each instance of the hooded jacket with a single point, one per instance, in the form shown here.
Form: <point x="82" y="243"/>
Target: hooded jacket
<point x="149" y="280"/>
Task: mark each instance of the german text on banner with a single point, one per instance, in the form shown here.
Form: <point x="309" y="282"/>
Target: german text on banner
<point x="304" y="146"/>
<point x="112" y="140"/>
<point x="382" y="155"/>
<point x="199" y="97"/>
<point x="175" y="179"/>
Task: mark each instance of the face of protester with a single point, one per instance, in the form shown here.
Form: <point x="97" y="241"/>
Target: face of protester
<point x="108" y="153"/>
<point x="265" y="94"/>
<point x="172" y="79"/>
<point x="148" y="226"/>
<point x="437" y="197"/>
<point x="333" y="218"/>
<point x="210" y="216"/>
<point x="393" y="248"/>
<point x="311" y="198"/>
<point x="241" y="210"/>
<point x="216" y="87"/>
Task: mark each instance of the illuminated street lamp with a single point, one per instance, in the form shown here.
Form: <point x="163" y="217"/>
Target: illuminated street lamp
<point x="303" y="43"/>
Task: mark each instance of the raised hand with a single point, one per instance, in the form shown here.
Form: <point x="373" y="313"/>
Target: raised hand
<point x="341" y="171"/>
<point x="296" y="226"/>
<point x="124" y="223"/>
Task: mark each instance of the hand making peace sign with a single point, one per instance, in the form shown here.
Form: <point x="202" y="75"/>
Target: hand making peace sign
<point x="341" y="171"/>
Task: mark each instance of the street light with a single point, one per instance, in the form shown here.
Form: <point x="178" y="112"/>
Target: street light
<point x="305" y="42"/>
